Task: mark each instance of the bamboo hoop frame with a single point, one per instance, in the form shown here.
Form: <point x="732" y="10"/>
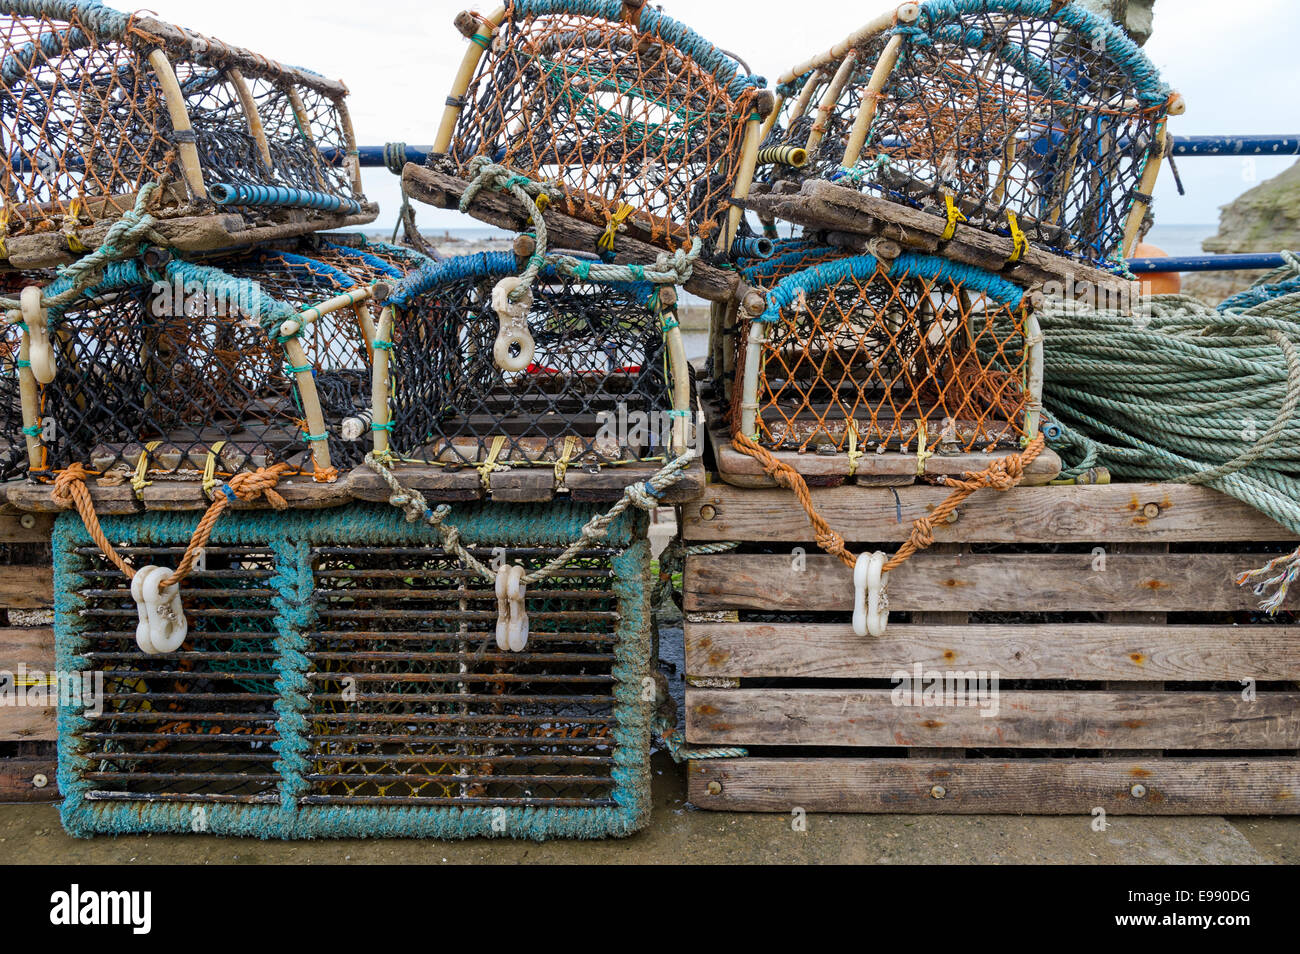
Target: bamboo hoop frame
<point x="460" y="85"/>
<point x="829" y="98"/>
<point x="380" y="417"/>
<point x="1150" y="175"/>
<point x="180" y="119"/>
<point x="251" y="115"/>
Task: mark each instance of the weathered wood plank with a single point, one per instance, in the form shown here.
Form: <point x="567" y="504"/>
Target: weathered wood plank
<point x="16" y="527"/>
<point x="26" y="587"/>
<point x="741" y="470"/>
<point x="1112" y="513"/>
<point x="28" y="724"/>
<point x="29" y="780"/>
<point x="39" y="498"/>
<point x="1041" y="651"/>
<point x="1173" y="786"/>
<point x="31" y="647"/>
<point x="1010" y="582"/>
<point x="1080" y="719"/>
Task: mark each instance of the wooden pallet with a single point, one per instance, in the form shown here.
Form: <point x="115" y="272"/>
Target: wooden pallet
<point x="27" y="734"/>
<point x="438" y="484"/>
<point x="891" y="469"/>
<point x="1109" y="613"/>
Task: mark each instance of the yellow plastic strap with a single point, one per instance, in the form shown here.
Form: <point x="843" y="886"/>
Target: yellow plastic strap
<point x="210" y="469"/>
<point x="70" y="222"/>
<point x="855" y="455"/>
<point x="1018" y="239"/>
<point x="4" y="231"/>
<point x="543" y="202"/>
<point x="562" y="465"/>
<point x="606" y="242"/>
<point x="922" y="455"/>
<point x="486" y="468"/>
<point x="955" y="215"/>
<point x="138" y="482"/>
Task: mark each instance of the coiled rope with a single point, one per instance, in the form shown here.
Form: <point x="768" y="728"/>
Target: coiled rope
<point x="1178" y="392"/>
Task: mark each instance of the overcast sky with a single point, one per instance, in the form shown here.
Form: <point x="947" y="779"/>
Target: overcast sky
<point x="1239" y="73"/>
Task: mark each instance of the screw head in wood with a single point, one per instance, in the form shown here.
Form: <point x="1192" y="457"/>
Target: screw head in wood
<point x="27" y="521"/>
<point x="938" y="791"/>
<point x="39" y="780"/>
<point x="708" y="512"/>
<point x="1138" y="791"/>
<point x="953" y="517"/>
<point x="1151" y="511"/>
<point x="714" y="788"/>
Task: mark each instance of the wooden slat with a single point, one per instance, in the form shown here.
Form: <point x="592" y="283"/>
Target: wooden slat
<point x="33" y="648"/>
<point x="26" y="587"/>
<point x="1012" y="582"/>
<point x="1040" y="651"/>
<point x="18" y="777"/>
<point x="1181" y="786"/>
<point x="1098" y="513"/>
<point x="28" y="724"/>
<point x="1080" y="719"/>
<point x="16" y="527"/>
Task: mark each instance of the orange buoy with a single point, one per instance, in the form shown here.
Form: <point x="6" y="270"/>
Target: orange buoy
<point x="1157" y="283"/>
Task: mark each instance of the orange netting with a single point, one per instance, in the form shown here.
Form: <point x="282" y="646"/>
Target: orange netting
<point x="637" y="119"/>
<point x="864" y="354"/>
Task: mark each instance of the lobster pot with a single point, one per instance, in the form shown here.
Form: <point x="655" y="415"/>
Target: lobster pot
<point x="857" y="354"/>
<point x="596" y="390"/>
<point x="186" y="369"/>
<point x="1026" y="118"/>
<point x="341" y="677"/>
<point x="636" y="118"/>
<point x="97" y="103"/>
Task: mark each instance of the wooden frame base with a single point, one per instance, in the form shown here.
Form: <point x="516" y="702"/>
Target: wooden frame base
<point x="438" y="484"/>
<point x="197" y="233"/>
<point x="891" y="469"/>
<point x="850" y="218"/>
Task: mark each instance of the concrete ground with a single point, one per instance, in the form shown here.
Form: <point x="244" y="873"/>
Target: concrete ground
<point x="678" y="833"/>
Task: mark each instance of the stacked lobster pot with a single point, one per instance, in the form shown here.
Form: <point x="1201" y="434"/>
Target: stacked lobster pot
<point x="951" y="164"/>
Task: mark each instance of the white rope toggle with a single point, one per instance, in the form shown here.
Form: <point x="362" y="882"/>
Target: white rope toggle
<point x="36" y="318"/>
<point x="512" y="617"/>
<point x="512" y="331"/>
<point x="162" y="626"/>
<point x="870" y="598"/>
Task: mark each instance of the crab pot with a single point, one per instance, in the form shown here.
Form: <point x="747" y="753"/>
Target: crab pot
<point x="622" y="107"/>
<point x="599" y="387"/>
<point x="189" y="368"/>
<point x="96" y="104"/>
<point x="341" y="677"/>
<point x="857" y="351"/>
<point x="1005" y="107"/>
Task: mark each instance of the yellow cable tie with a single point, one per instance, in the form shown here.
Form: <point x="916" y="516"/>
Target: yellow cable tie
<point x="1018" y="239"/>
<point x="855" y="455"/>
<point x="543" y="202"/>
<point x="4" y="231"/>
<point x="922" y="455"/>
<point x="210" y="469"/>
<point x="490" y="464"/>
<point x="606" y="242"/>
<point x="955" y="215"/>
<point x="562" y="465"/>
<point x="138" y="482"/>
<point x="70" y="222"/>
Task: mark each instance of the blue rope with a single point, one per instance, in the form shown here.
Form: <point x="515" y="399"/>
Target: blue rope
<point x="231" y="193"/>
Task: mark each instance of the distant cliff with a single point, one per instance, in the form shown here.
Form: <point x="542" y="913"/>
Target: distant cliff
<point x="1265" y="219"/>
<point x="1135" y="16"/>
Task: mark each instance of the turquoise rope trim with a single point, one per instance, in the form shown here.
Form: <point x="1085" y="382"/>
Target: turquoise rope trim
<point x="490" y="265"/>
<point x="280" y="197"/>
<point x="943" y="19"/>
<point x="818" y="277"/>
<point x="653" y="23"/>
<point x="290" y="537"/>
<point x="104" y="22"/>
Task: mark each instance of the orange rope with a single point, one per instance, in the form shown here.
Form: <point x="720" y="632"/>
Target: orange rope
<point x="70" y="490"/>
<point x="1003" y="474"/>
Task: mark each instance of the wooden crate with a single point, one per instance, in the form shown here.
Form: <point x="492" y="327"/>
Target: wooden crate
<point x="1109" y="613"/>
<point x="27" y="734"/>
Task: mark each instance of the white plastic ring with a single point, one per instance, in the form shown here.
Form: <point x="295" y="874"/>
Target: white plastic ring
<point x="870" y="601"/>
